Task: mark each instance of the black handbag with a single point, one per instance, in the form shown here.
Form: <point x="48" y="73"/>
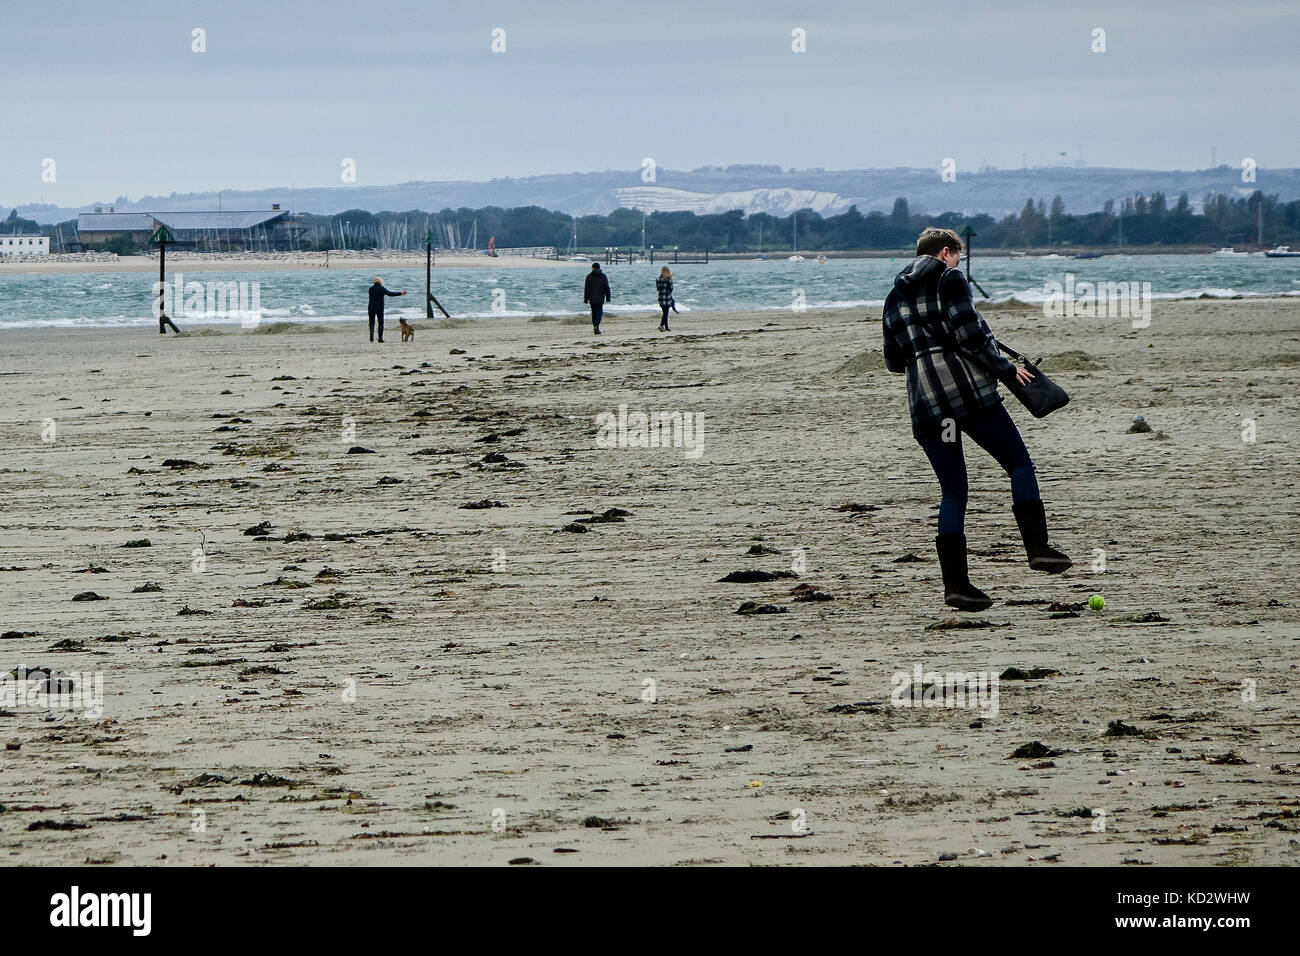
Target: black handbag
<point x="1041" y="396"/>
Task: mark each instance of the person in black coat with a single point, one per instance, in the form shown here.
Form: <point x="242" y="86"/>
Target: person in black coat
<point x="595" y="292"/>
<point x="376" y="309"/>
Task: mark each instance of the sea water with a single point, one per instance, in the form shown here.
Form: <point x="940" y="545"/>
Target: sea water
<point x="334" y="295"/>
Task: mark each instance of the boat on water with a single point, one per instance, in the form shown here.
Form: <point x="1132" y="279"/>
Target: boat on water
<point x="573" y="254"/>
<point x="1282" y="252"/>
<point x="1089" y="255"/>
<point x="1229" y="251"/>
<point x="821" y="260"/>
<point x="796" y="259"/>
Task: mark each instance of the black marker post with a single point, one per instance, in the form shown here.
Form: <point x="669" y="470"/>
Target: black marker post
<point x="967" y="234"/>
<point x="429" y="300"/>
<point x="162" y="235"/>
<point x="428" y="274"/>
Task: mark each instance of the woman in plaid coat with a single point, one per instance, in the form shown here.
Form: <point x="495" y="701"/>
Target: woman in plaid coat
<point x="664" y="286"/>
<point x="934" y="333"/>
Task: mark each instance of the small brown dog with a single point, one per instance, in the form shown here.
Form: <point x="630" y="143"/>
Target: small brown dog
<point x="408" y="331"/>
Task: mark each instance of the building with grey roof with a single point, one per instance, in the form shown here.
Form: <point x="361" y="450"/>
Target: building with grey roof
<point x="96" y="227"/>
<point x="209" y="231"/>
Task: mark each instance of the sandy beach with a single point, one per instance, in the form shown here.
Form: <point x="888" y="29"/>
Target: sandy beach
<point x="429" y="620"/>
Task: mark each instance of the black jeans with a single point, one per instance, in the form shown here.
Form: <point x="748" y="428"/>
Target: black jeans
<point x="994" y="431"/>
<point x="664" y="320"/>
<point x="380" y="317"/>
<point x="597" y="310"/>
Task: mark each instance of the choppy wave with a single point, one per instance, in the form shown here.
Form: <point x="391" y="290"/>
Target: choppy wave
<point x="109" y="299"/>
<point x="1039" y="296"/>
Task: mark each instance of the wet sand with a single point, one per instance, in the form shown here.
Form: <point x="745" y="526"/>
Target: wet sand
<point x="386" y="676"/>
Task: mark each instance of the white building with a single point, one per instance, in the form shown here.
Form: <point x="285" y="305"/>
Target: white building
<point x="24" y="245"/>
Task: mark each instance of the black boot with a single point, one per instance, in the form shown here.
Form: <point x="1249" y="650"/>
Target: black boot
<point x="1033" y="531"/>
<point x="958" y="592"/>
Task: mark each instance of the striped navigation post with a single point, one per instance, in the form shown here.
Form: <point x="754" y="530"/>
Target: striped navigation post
<point x="162" y="235"/>
<point x="429" y="300"/>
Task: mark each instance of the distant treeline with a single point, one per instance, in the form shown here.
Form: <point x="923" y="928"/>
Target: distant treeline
<point x="1139" y="221"/>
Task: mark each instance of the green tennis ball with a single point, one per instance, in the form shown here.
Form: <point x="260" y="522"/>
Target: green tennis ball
<point x="1096" y="602"/>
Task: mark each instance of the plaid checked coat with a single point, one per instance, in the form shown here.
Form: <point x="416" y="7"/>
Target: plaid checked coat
<point x="941" y="382"/>
<point x="664" y="287"/>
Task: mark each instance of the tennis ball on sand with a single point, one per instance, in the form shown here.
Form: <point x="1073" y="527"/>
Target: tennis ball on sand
<point x="1096" y="602"/>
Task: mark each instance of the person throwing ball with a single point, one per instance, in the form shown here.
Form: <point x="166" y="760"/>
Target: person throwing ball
<point x="376" y="310"/>
<point x="934" y="334"/>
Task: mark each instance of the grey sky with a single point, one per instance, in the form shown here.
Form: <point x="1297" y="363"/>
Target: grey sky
<point x="411" y="90"/>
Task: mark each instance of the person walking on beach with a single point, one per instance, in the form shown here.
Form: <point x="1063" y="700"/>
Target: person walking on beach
<point x="664" y="286"/>
<point x="595" y="291"/>
<point x="376" y="310"/>
<point x="934" y="333"/>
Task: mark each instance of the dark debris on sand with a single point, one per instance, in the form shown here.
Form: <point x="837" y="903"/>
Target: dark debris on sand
<point x="809" y="592"/>
<point x="753" y="607"/>
<point x="857" y="707"/>
<point x="608" y="516"/>
<point x="1117" y="728"/>
<point x="959" y="624"/>
<point x="1034" y="673"/>
<point x="1033" y="751"/>
<point x="754" y="577"/>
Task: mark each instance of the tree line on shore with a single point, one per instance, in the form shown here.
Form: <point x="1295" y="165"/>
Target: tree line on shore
<point x="1137" y="221"/>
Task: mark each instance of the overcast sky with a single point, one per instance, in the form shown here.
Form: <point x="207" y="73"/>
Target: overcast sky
<point x="412" y="90"/>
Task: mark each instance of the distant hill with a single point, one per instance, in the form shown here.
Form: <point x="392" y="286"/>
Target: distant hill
<point x="771" y="189"/>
